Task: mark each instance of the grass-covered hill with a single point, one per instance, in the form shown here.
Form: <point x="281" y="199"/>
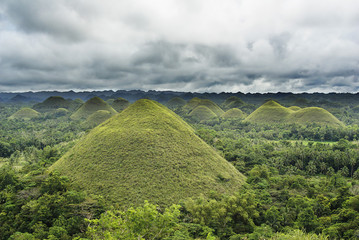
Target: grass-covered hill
<point x="294" y="108"/>
<point x="76" y="104"/>
<point x="269" y="112"/>
<point x="90" y="106"/>
<point x="176" y="102"/>
<point x="147" y="152"/>
<point x="234" y="113"/>
<point x="119" y="104"/>
<point x="96" y="118"/>
<point x="25" y="114"/>
<point x="195" y="102"/>
<point x="314" y="115"/>
<point x="233" y="102"/>
<point x="52" y="103"/>
<point x="201" y="113"/>
<point x="273" y="112"/>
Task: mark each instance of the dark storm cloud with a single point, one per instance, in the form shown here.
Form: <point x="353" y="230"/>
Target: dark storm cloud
<point x="195" y="45"/>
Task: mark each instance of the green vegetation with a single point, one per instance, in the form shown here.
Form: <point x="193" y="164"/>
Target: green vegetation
<point x="175" y="102"/>
<point x="25" y="114"/>
<point x="314" y="115"/>
<point x="302" y="176"/>
<point x="294" y="108"/>
<point x="233" y="102"/>
<point x="119" y="104"/>
<point x="96" y="118"/>
<point x="201" y="113"/>
<point x="269" y="112"/>
<point x="147" y="152"/>
<point x="91" y="106"/>
<point x="52" y="103"/>
<point x="273" y="112"/>
<point x="195" y="102"/>
<point x="233" y="113"/>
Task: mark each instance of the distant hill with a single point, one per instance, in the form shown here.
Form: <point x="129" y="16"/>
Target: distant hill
<point x="90" y="106"/>
<point x="294" y="108"/>
<point x="25" y="114"/>
<point x="52" y="103"/>
<point x="314" y="115"/>
<point x="273" y="112"/>
<point x="175" y="102"/>
<point x="195" y="102"/>
<point x="201" y="113"/>
<point x="269" y="112"/>
<point x="96" y="118"/>
<point x="234" y="113"/>
<point x="147" y="152"/>
<point x="233" y="102"/>
<point x="119" y="104"/>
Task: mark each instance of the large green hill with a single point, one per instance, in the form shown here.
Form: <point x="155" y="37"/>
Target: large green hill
<point x="233" y="102"/>
<point x="89" y="107"/>
<point x="234" y="113"/>
<point x="175" y="102"/>
<point x="147" y="152"/>
<point x="273" y="112"/>
<point x="195" y="102"/>
<point x="314" y="115"/>
<point x="269" y="112"/>
<point x="25" y="114"/>
<point x="120" y="104"/>
<point x="201" y="113"/>
<point x="52" y="103"/>
<point x="96" y="118"/>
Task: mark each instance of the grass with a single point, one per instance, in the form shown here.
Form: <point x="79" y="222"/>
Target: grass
<point x="52" y="103"/>
<point x="147" y="152"/>
<point x="91" y="106"/>
<point x="201" y="113"/>
<point x="234" y="113"/>
<point x="120" y="104"/>
<point x="295" y="108"/>
<point x="273" y="112"/>
<point x="269" y="112"/>
<point x="233" y="102"/>
<point x="175" y="102"/>
<point x="195" y="102"/>
<point x="96" y="118"/>
<point x="314" y="115"/>
<point x="25" y="114"/>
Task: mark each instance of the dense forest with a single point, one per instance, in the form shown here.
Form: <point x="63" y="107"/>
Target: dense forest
<point x="299" y="154"/>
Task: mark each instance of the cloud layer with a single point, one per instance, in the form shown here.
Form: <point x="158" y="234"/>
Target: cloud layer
<point x="183" y="45"/>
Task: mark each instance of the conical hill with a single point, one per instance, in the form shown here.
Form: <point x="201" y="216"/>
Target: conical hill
<point x="202" y="113"/>
<point x="175" y="102"/>
<point x="269" y="112"/>
<point x="120" y="104"/>
<point x="233" y="102"/>
<point x="195" y="102"/>
<point x="147" y="152"/>
<point x="90" y="106"/>
<point x="273" y="112"/>
<point x="96" y="118"/>
<point x="234" y="113"/>
<point x="314" y="115"/>
<point x="25" y="114"/>
<point x="52" y="103"/>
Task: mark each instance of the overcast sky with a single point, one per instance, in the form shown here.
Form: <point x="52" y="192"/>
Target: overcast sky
<point x="181" y="45"/>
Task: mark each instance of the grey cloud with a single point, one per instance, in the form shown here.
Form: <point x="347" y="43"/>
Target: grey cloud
<point x="55" y="18"/>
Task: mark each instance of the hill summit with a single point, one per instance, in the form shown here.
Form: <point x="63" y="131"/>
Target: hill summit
<point x="25" y="114"/>
<point x="273" y="112"/>
<point x="91" y="106"/>
<point x="52" y="103"/>
<point x="147" y="152"/>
